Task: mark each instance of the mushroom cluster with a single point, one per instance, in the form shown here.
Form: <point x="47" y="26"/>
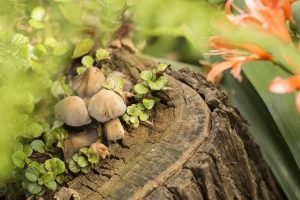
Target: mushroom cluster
<point x="94" y="101"/>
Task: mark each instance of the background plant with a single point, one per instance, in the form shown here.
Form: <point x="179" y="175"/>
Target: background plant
<point x="83" y="161"/>
<point x="153" y="80"/>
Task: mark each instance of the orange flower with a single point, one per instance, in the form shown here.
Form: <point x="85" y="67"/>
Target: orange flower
<point x="283" y="86"/>
<point x="234" y="57"/>
<point x="270" y="15"/>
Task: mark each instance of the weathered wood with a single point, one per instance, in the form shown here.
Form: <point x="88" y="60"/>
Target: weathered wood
<point x="198" y="148"/>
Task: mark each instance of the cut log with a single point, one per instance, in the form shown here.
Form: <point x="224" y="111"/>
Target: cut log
<point x="199" y="147"/>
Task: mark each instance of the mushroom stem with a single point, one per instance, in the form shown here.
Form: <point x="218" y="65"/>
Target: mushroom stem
<point x="147" y="123"/>
<point x="114" y="130"/>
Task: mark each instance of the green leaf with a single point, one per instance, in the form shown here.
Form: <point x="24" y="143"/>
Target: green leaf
<point x="144" y="116"/>
<point x="38" y="145"/>
<point x="146" y="75"/>
<point x="134" y="119"/>
<point x="80" y="70"/>
<point x="75" y="157"/>
<point x="36" y="24"/>
<point x="35" y="130"/>
<point x="56" y="136"/>
<point x="87" y="61"/>
<point x="38" y="13"/>
<point x="18" y="159"/>
<point x="32" y="173"/>
<point x="60" y="88"/>
<point x="19" y="39"/>
<point x="148" y="103"/>
<point x="102" y="54"/>
<point x="140" y="106"/>
<point x="162" y="67"/>
<point x="46" y="178"/>
<point x="18" y="146"/>
<point x="84" y="150"/>
<point x="158" y="84"/>
<point x="60" y="179"/>
<point x="82" y="162"/>
<point x="93" y="157"/>
<point x="51" y="185"/>
<point x="27" y="150"/>
<point x="138" y="96"/>
<point x="60" y="49"/>
<point x="40" y="50"/>
<point x="125" y="118"/>
<point x="133" y="110"/>
<point x="73" y="167"/>
<point x="83" y="47"/>
<point x="296" y="13"/>
<point x="141" y="89"/>
<point x="86" y="169"/>
<point x="34" y="188"/>
<point x="51" y="42"/>
<point x="61" y="167"/>
<point x="55" y="165"/>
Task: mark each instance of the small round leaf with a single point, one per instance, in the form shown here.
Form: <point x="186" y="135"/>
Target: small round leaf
<point x="18" y="159"/>
<point x="72" y="165"/>
<point x="82" y="162"/>
<point x="38" y="146"/>
<point x="148" y="103"/>
<point x="86" y="169"/>
<point x="33" y="187"/>
<point x="146" y="75"/>
<point x="144" y="116"/>
<point x="83" y="47"/>
<point x="52" y="185"/>
<point x="141" y="89"/>
<point x="87" y="61"/>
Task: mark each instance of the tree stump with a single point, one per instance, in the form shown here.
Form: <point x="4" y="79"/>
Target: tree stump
<point x="199" y="147"/>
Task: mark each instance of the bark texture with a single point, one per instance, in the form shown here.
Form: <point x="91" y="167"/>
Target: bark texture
<point x="198" y="148"/>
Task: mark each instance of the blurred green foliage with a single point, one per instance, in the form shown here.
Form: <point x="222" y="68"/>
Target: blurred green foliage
<point x="36" y="42"/>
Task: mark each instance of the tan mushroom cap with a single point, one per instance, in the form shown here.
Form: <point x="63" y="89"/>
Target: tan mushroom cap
<point x="88" y="83"/>
<point x="114" y="129"/>
<point x="106" y="105"/>
<point x="72" y="111"/>
<point x="127" y="82"/>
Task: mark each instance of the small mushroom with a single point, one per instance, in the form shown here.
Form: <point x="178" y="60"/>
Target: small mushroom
<point x="100" y="149"/>
<point x="114" y="129"/>
<point x="127" y="82"/>
<point x="106" y="105"/>
<point x="72" y="111"/>
<point x="75" y="141"/>
<point x="89" y="83"/>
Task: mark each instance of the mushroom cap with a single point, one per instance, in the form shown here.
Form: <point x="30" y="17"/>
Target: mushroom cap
<point x="72" y="111"/>
<point x="106" y="105"/>
<point x="127" y="82"/>
<point x="114" y="129"/>
<point x="88" y="83"/>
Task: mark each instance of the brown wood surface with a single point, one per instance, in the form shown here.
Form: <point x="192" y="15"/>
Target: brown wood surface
<point x="198" y="148"/>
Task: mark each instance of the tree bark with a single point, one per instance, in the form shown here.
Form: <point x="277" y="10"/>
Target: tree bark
<point x="199" y="147"/>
